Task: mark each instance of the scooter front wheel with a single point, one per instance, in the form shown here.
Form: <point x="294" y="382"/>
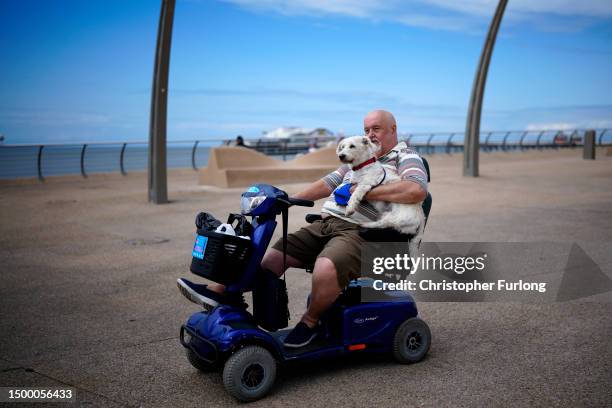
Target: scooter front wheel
<point x="412" y="341"/>
<point x="249" y="373"/>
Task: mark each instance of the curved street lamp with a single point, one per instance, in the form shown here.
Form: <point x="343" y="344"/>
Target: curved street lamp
<point x="158" y="180"/>
<point x="471" y="145"/>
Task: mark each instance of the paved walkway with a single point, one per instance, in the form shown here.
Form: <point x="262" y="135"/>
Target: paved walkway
<point x="88" y="297"/>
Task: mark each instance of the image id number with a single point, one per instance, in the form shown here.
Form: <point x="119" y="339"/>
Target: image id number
<point x="10" y="394"/>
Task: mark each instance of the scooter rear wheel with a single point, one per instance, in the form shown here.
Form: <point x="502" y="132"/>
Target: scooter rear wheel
<point x="412" y="341"/>
<point x="249" y="373"/>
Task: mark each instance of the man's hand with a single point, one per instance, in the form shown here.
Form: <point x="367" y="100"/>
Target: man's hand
<point x="403" y="192"/>
<point x="314" y="191"/>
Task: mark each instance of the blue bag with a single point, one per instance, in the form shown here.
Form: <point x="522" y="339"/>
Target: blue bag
<point x="342" y="194"/>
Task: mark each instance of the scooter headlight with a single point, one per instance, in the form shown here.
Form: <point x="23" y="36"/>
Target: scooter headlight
<point x="187" y="337"/>
<point x="248" y="204"/>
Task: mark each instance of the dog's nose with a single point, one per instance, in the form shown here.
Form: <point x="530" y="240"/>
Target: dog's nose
<point x="342" y="156"/>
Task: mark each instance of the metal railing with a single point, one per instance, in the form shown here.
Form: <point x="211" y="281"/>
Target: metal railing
<point x="18" y="160"/>
<point x="94" y="157"/>
<point x="450" y="142"/>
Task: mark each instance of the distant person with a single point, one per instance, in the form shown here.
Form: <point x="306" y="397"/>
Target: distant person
<point x="314" y="146"/>
<point x="240" y="141"/>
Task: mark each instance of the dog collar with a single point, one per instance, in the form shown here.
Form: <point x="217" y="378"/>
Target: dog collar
<point x="365" y="163"/>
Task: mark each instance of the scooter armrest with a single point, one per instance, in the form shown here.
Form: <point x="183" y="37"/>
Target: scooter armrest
<point x="310" y="218"/>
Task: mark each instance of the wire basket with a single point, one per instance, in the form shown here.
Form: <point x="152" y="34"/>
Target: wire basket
<point x="220" y="257"/>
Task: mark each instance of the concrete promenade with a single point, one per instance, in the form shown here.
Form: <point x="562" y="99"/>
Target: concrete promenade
<point x="88" y="296"/>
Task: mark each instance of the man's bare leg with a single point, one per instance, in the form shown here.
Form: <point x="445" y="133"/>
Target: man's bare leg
<point x="272" y="261"/>
<point x="325" y="290"/>
<point x="217" y="287"/>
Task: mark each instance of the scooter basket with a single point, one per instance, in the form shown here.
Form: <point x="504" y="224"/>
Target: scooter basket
<point x="220" y="257"/>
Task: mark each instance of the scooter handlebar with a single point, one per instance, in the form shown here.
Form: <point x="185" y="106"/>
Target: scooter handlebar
<point x="300" y="202"/>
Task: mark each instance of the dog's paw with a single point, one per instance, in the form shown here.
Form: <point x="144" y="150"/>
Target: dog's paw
<point x="351" y="206"/>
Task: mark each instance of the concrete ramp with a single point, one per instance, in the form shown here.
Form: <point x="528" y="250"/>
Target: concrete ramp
<point x="241" y="167"/>
<point x="325" y="157"/>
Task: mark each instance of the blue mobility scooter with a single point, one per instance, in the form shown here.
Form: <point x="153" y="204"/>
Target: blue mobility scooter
<point x="249" y="347"/>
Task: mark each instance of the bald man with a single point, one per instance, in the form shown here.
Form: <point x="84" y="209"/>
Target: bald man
<point x="333" y="244"/>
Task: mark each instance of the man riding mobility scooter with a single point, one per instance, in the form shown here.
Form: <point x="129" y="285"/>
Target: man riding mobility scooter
<point x="250" y="346"/>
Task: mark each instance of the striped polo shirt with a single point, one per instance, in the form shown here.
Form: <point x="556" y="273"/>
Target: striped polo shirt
<point x="401" y="160"/>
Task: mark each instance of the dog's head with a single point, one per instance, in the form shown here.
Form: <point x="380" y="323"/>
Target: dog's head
<point x="355" y="150"/>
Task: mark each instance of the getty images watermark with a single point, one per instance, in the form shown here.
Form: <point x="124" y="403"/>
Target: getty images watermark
<point x="402" y="264"/>
<point x="530" y="272"/>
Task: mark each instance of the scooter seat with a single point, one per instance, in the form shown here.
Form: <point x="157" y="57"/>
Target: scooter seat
<point x="362" y="290"/>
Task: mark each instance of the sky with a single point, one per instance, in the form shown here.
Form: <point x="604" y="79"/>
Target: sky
<point x="75" y="70"/>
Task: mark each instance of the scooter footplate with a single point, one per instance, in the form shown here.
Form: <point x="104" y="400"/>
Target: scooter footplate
<point x="319" y="346"/>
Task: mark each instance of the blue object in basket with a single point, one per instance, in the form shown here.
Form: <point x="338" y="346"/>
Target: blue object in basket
<point x="199" y="247"/>
<point x="342" y="194"/>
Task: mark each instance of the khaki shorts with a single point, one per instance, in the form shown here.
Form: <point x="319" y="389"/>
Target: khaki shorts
<point x="331" y="238"/>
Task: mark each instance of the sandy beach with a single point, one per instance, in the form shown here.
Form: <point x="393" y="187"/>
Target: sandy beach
<point x="88" y="293"/>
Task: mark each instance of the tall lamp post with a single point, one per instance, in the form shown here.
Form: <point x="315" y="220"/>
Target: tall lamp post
<point x="158" y="181"/>
<point x="471" y="143"/>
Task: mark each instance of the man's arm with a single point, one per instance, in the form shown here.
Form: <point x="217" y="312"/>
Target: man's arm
<point x="411" y="189"/>
<point x="403" y="192"/>
<point x="317" y="190"/>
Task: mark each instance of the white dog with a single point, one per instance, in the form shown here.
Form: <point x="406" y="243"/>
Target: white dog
<point x="359" y="152"/>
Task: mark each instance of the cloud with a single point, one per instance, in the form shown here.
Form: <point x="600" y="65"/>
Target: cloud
<point x="579" y="124"/>
<point x="464" y="15"/>
<point x="344" y="110"/>
<point x="556" y="126"/>
<point x="417" y="14"/>
<point x="448" y="23"/>
<point x="352" y="8"/>
<point x="563" y="49"/>
<point x="354" y="98"/>
<point x="553" y="117"/>
<point x="588" y="8"/>
<point x="187" y="125"/>
<point x="281" y="92"/>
